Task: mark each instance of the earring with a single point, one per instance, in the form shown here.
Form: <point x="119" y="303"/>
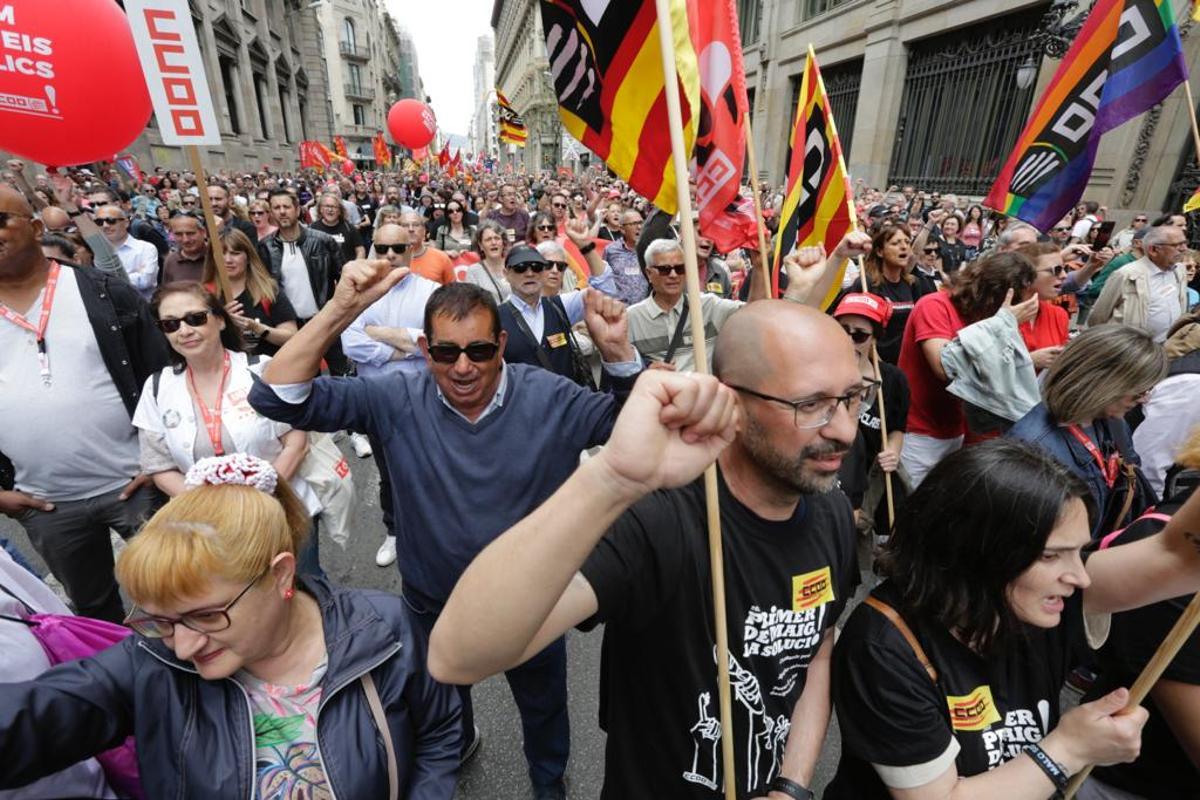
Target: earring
<point x="289" y="594"/>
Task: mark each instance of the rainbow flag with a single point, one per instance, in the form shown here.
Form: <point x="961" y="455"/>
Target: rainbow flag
<point x="1127" y="57"/>
<point x="816" y="208"/>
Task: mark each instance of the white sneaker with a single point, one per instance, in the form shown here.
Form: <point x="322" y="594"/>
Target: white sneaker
<point x="386" y="556"/>
<point x="362" y="445"/>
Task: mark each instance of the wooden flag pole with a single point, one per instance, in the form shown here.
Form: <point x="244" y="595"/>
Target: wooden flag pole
<point x="700" y="350"/>
<point x="1191" y="106"/>
<point x="883" y="428"/>
<point x="224" y="291"/>
<point x="764" y="263"/>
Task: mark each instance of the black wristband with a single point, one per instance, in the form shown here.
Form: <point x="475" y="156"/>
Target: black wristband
<point x="1054" y="771"/>
<point x="791" y="789"/>
<point x="587" y="248"/>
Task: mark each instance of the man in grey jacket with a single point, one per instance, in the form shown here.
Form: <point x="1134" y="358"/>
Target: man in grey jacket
<point x="1150" y="293"/>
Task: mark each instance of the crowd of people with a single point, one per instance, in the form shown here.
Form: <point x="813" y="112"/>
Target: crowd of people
<point x="999" y="420"/>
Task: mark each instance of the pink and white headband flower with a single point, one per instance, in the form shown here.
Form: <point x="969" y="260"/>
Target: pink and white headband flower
<point x="236" y="469"/>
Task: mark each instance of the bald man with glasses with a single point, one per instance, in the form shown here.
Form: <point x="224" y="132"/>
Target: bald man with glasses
<point x="138" y="258"/>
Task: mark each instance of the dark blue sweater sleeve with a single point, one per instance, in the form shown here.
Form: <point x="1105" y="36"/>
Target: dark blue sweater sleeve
<point x="335" y="404"/>
<point x="66" y="714"/>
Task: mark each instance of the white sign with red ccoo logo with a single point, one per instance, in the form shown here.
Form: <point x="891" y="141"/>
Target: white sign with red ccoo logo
<point x="175" y="76"/>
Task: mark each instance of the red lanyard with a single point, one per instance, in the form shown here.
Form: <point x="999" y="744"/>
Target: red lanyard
<point x="1108" y="469"/>
<point x="212" y="419"/>
<point x="40" y="331"/>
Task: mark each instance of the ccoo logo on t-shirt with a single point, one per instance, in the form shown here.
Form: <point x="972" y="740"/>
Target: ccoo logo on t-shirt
<point x="974" y="711"/>
<point x="812" y="589"/>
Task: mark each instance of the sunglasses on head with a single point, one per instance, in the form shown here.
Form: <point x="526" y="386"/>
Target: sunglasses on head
<point x="667" y="269"/>
<point x="857" y="336"/>
<point x="194" y="319"/>
<point x="478" y="352"/>
<point x="400" y="248"/>
<point x="520" y="269"/>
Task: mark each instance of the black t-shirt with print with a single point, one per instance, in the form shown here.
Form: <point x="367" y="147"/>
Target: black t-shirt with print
<point x="785" y="583"/>
<point x="981" y="713"/>
<point x="904" y="297"/>
<point x="275" y="312"/>
<point x="869" y="442"/>
<point x="347" y="238"/>
<point x="1163" y="771"/>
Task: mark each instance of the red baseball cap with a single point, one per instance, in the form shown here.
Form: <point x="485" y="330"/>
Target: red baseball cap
<point x="873" y="307"/>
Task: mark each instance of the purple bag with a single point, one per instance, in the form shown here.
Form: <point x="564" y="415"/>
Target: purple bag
<point x="66" y="638"/>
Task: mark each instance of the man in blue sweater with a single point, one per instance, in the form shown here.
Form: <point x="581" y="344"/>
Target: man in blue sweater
<point x="472" y="446"/>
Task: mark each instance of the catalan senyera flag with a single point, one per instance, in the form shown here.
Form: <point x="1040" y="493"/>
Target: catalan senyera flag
<point x="1127" y="57"/>
<point x="1193" y="202"/>
<point x="339" y="146"/>
<point x="383" y="154"/>
<point x="721" y="139"/>
<point x="816" y="208"/>
<point x="1196" y="11"/>
<point x="512" y="127"/>
<point x="606" y="60"/>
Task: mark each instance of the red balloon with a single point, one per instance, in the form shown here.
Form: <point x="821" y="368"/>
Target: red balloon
<point x="411" y="123"/>
<point x="72" y="90"/>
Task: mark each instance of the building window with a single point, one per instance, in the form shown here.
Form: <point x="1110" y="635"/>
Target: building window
<point x="260" y="99"/>
<point x="303" y="117"/>
<point x="749" y="12"/>
<point x="285" y="102"/>
<point x="229" y="85"/>
<point x="962" y="111"/>
<point x="348" y="36"/>
<point x="360" y="115"/>
<point x="355" y="73"/>
<point x="813" y="8"/>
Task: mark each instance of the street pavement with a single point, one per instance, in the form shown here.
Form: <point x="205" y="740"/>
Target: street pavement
<point x="498" y="770"/>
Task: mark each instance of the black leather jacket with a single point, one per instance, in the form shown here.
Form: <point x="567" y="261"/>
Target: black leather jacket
<point x="321" y="254"/>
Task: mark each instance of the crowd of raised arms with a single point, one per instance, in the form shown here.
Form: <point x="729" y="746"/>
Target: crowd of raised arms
<point x="975" y="466"/>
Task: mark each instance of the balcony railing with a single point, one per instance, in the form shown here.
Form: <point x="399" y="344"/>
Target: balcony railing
<point x="359" y="91"/>
<point x="351" y="50"/>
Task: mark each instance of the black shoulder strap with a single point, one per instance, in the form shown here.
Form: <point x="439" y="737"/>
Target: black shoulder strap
<point x="523" y="326"/>
<point x="677" y="337"/>
<point x="155" y="379"/>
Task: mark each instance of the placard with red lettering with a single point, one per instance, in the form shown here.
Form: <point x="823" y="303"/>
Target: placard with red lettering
<point x="166" y="43"/>
<point x="71" y="88"/>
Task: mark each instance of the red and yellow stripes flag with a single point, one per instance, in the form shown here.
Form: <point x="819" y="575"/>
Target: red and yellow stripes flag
<point x="339" y="146"/>
<point x="383" y="154"/>
<point x="512" y="127"/>
<point x="816" y="208"/>
<point x="607" y="65"/>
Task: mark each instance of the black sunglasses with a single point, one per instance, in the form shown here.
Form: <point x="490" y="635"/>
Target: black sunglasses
<point x="932" y="251"/>
<point x="545" y="227"/>
<point x="7" y="216"/>
<point x="479" y="352"/>
<point x="108" y="220"/>
<point x="1057" y="271"/>
<point x="455" y="210"/>
<point x="561" y="266"/>
<point x="1060" y="229"/>
<point x="400" y="248"/>
<point x="520" y="269"/>
<point x="666" y="269"/>
<point x="194" y="319"/>
<point x="857" y="336"/>
<point x="558" y="205"/>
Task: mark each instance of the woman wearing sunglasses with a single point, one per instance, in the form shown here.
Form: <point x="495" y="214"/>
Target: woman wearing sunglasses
<point x="196" y="407"/>
<point x="863" y="317"/>
<point x="542" y="228"/>
<point x="244" y="677"/>
<point x="260" y="215"/>
<point x="1045" y="334"/>
<point x="455" y="236"/>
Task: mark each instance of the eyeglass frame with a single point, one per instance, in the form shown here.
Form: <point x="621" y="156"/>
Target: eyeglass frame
<point x="131" y="621"/>
<point x="869" y="385"/>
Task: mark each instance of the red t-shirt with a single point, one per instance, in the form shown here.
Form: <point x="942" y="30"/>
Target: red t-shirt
<point x="932" y="410"/>
<point x="1048" y="330"/>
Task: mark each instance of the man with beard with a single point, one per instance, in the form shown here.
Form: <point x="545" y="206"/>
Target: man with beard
<point x="624" y="543"/>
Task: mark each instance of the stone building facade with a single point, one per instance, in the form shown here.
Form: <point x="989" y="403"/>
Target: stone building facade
<point x="523" y="74"/>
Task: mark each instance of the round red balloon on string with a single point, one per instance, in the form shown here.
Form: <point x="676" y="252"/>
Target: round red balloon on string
<point x="411" y="123"/>
<point x="64" y="99"/>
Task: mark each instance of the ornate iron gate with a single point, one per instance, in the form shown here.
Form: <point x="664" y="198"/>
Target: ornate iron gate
<point x="962" y="109"/>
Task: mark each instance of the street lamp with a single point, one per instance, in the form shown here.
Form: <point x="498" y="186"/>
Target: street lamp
<point x="1052" y="38"/>
<point x="1027" y="73"/>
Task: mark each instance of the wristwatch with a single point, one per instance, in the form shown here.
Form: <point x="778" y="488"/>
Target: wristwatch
<point x="791" y="789"/>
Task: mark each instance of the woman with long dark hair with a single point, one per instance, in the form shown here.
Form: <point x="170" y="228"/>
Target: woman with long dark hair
<point x="946" y="680"/>
<point x="891" y="273"/>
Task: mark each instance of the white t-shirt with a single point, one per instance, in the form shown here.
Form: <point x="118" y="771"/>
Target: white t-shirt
<point x="1080" y="229"/>
<point x="72" y="439"/>
<point x="296" y="282"/>
<point x="1164" y="301"/>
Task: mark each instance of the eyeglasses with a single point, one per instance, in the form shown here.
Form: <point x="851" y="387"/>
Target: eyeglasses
<point x="5" y="216"/>
<point x="454" y="210"/>
<point x="1139" y="219"/>
<point x="1056" y="271"/>
<point x="666" y="269"/>
<point x="856" y="335"/>
<point x="448" y="353"/>
<point x="1061" y="229"/>
<point x="815" y="412"/>
<point x="399" y="248"/>
<point x="520" y="269"/>
<point x="109" y="220"/>
<point x="194" y="319"/>
<point x="561" y="266"/>
<point x="932" y="251"/>
<point x="545" y="227"/>
<point x="211" y="620"/>
<point x="558" y="205"/>
<point x="1172" y="245"/>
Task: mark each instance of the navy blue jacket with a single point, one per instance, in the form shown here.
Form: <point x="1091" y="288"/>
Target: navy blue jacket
<point x="195" y="738"/>
<point x="1038" y="427"/>
<point x="457" y="485"/>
